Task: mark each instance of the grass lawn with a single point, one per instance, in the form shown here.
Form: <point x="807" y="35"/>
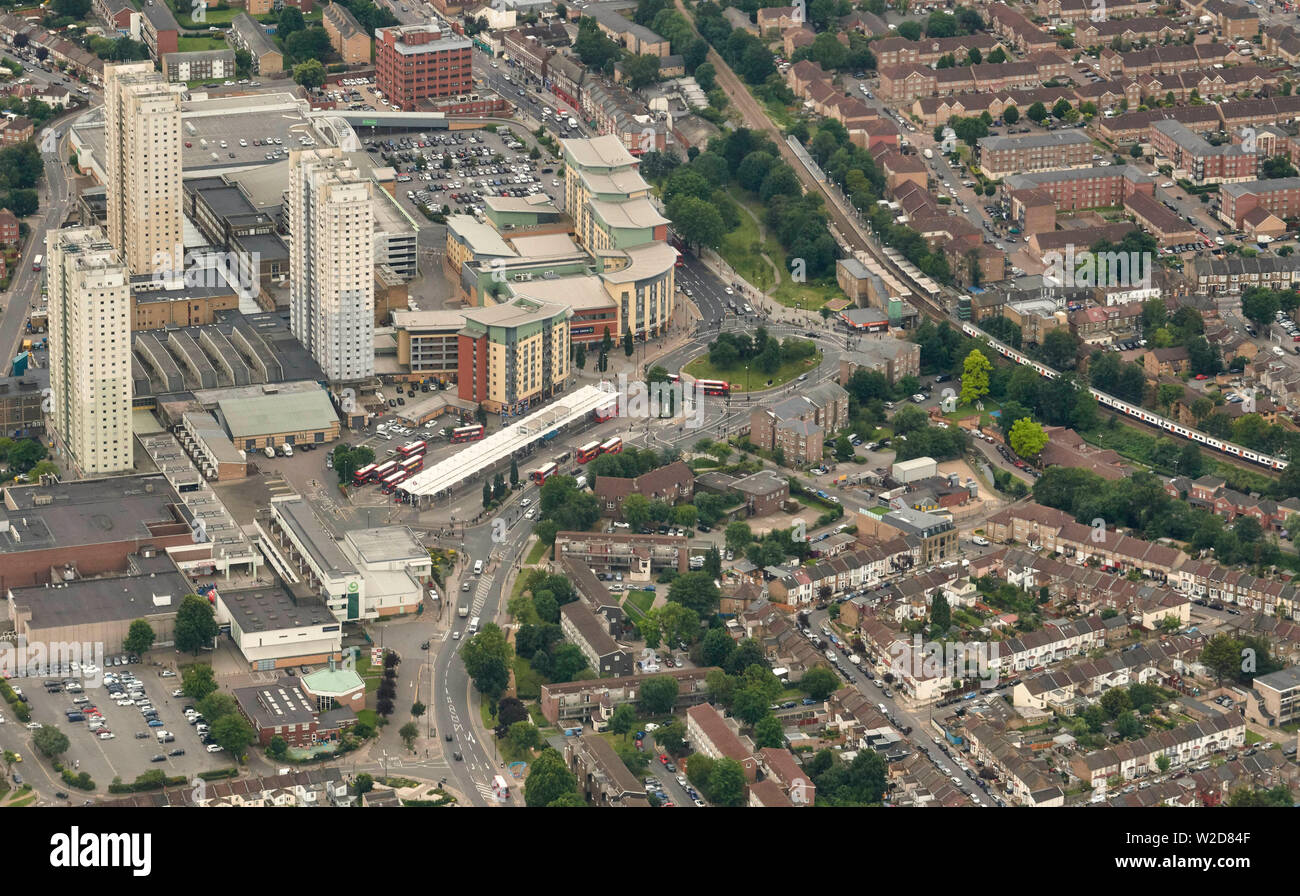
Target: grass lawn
<point x="700" y="368"/>
<point x="528" y="683"/>
<point x="190" y="44"/>
<point x="745" y="253"/>
<point x="637" y="603"/>
<point x="370" y="674"/>
<point x="535" y="555"/>
<point x="1253" y="738"/>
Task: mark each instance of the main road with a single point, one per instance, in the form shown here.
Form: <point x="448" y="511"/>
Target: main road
<point x="55" y="192"/>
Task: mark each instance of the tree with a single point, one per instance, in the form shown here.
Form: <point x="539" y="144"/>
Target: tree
<point x="290" y="20"/>
<point x="418" y="709"/>
<point x="975" y="377"/>
<point x="310" y="74"/>
<point x="198" y="680"/>
<point x="365" y="782"/>
<point x="548" y="780"/>
<point x="277" y="749"/>
<point x="738" y="536"/>
<point x="23" y="203"/>
<point x="623" y="720"/>
<point x="717" y="647"/>
<point x="659" y="695"/>
<point x="310" y="43"/>
<point x="1027" y="437"/>
<point x="1061" y="107"/>
<point x="1115" y="702"/>
<point x="640" y="70"/>
<point x="408" y="733"/>
<point x="820" y="682"/>
<point x="940" y="612"/>
<point x="695" y="590"/>
<point x="523" y="737"/>
<point x="487" y="493"/>
<point x="696" y="221"/>
<point x="769" y="733"/>
<point x="672" y="624"/>
<point x="1059" y="348"/>
<point x="196" y="626"/>
<point x="487" y="660"/>
<point x="1037" y="113"/>
<point x="511" y="710"/>
<point x="139" y="637"/>
<point x="51" y="741"/>
<point x="627" y="341"/>
<point x="1010" y="114"/>
<point x="514" y="473"/>
<point x="567" y="662"/>
<point x="726" y="784"/>
<point x="233" y="733"/>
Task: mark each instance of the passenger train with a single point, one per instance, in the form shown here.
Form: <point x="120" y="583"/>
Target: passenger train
<point x="1132" y="410"/>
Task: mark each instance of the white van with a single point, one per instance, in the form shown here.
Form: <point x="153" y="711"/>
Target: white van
<point x="286" y="449"/>
<point x="269" y="451"/>
<point x="478" y="567"/>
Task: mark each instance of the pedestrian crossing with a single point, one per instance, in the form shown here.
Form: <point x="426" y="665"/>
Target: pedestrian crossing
<point x="485" y="790"/>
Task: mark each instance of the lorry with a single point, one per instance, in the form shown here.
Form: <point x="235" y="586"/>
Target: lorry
<point x="463" y="611"/>
<point x="573" y="122"/>
<point x="928" y="153"/>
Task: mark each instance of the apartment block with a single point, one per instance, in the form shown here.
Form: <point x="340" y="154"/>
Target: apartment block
<point x="332" y="263"/>
<point x="1000" y="156"/>
<point x="349" y="39"/>
<point x="710" y="735"/>
<point x="1274" y="699"/>
<point x="1195" y="158"/>
<point x="513" y="354"/>
<point x="1080" y="188"/>
<point x="418" y="62"/>
<point x="1280" y="196"/>
<point x="602" y="776"/>
<point x="142" y="134"/>
<point x="89" y="350"/>
<point x="246" y="34"/>
<point x="582" y="627"/>
<point x="199" y="65"/>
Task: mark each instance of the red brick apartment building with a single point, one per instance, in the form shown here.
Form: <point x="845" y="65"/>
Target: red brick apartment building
<point x="415" y="62"/>
<point x="1281" y="197"/>
<point x="1000" y="156"/>
<point x="1201" y="161"/>
<point x="1077" y="188"/>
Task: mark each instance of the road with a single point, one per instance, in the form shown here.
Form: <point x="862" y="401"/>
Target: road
<point x="518" y="87"/>
<point x="25" y="293"/>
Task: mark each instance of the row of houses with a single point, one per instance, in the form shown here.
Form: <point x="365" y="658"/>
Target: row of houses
<point x="852" y="570"/>
<point x="63" y="52"/>
<point x="1030" y="781"/>
<point x="1146" y="663"/>
<point x="815" y="86"/>
<point x="1136" y="759"/>
<point x="1225" y="116"/>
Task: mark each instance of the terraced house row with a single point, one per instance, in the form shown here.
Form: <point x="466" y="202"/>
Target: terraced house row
<point x="1182" y="745"/>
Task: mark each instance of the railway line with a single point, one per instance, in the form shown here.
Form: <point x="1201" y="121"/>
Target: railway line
<point x="756" y="118"/>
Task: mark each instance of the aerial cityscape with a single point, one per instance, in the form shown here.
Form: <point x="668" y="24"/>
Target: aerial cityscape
<point x="649" y="403"/>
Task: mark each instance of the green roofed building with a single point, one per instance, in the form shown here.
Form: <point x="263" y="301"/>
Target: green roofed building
<point x="292" y="418"/>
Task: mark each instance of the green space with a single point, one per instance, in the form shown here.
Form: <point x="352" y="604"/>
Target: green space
<point x="638" y="603"/>
<point x="370" y="674"/>
<point x="748" y="255"/>
<point x="192" y="44"/>
<point x="1136" y="444"/>
<point x="535" y="555"/>
<point x="528" y="683"/>
<point x="700" y="368"/>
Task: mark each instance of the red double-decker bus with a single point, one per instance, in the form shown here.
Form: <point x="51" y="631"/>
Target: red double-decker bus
<point x="365" y="474"/>
<point x="714" y="387"/>
<point x="412" y="464"/>
<point x="605" y="411"/>
<point x="412" y="449"/>
<point x="383" y="471"/>
<point x="391" y="482"/>
<point x="589" y="451"/>
<point x="674" y="377"/>
<point x="541" y="474"/>
<point x="471" y="433"/>
<point x="612" y="446"/>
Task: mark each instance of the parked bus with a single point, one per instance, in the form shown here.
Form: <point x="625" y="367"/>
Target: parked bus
<point x="714" y="387"/>
<point x="36" y="262"/>
<point x="365" y="474"/>
<point x="471" y="433"/>
<point x="588" y="451"/>
<point x="395" y="480"/>
<point x="605" y="412"/>
<point x="412" y="465"/>
<point x="674" y="377"/>
<point x="472" y="629"/>
<point x="500" y="789"/>
<point x="541" y="474"/>
<point x="383" y="471"/>
<point x="612" y="446"/>
<point x="412" y="449"/>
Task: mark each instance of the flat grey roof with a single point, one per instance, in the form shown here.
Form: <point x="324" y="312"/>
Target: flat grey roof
<point x="278" y="412"/>
<point x="311" y="533"/>
<point x="89" y="511"/>
<point x="1057" y="138"/>
<point x="271" y="608"/>
<point x="1282" y="680"/>
<point x="387" y="544"/>
<point x="156" y="589"/>
<point x="274" y="705"/>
